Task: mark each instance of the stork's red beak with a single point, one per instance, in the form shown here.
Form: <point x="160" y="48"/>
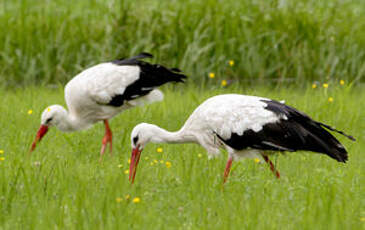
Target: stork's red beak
<point x="41" y="132"/>
<point x="136" y="153"/>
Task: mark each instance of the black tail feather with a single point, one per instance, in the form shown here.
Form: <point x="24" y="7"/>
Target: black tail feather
<point x="320" y="140"/>
<point x="132" y="60"/>
<point x="331" y="146"/>
<point x="304" y="133"/>
<point x="175" y="69"/>
<point x="337" y="131"/>
<point x="163" y="74"/>
<point x="143" y="55"/>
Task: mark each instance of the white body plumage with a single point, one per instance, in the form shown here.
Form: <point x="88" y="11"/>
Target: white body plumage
<point x="227" y="114"/>
<point x="104" y="90"/>
<point x="87" y="94"/>
<point x="222" y="115"/>
<point x="248" y="127"/>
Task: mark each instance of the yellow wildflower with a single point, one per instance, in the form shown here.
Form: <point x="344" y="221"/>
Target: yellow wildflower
<point x="129" y="161"/>
<point x="211" y="75"/>
<point x="362" y="219"/>
<point x="231" y="63"/>
<point x="127" y="197"/>
<point x="118" y="199"/>
<point x="314" y="86"/>
<point x="155" y="161"/>
<point x="120" y="165"/>
<point x="151" y="163"/>
<point x="200" y="155"/>
<point x="136" y="200"/>
<point x="159" y="150"/>
<point x="30" y="112"/>
<point x="168" y="164"/>
<point x="330" y="99"/>
<point x="224" y="83"/>
<point x="342" y="82"/>
<point x="146" y="158"/>
<point x="2" y="158"/>
<point x="325" y="85"/>
<point x="126" y="171"/>
<point x="161" y="161"/>
<point x="1" y="151"/>
<point x="257" y="160"/>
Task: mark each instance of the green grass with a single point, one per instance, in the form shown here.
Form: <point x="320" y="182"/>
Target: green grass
<point x="63" y="186"/>
<point x="304" y="40"/>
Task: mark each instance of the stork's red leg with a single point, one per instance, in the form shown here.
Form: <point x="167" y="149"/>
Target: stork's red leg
<point x="228" y="168"/>
<point x="272" y="167"/>
<point x="107" y="139"/>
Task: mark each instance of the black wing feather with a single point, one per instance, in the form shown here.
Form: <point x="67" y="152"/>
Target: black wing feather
<point x="297" y="132"/>
<point x="151" y="77"/>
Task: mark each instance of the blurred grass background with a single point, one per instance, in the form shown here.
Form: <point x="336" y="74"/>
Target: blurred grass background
<point x="276" y="41"/>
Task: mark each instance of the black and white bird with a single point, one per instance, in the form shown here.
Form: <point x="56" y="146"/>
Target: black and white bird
<point x="103" y="91"/>
<point x="247" y="127"/>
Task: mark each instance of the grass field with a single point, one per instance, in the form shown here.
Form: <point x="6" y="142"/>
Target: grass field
<point x="47" y="42"/>
<point x="63" y="186"/>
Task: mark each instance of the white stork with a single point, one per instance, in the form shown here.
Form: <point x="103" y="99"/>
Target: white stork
<point x="247" y="127"/>
<point x="104" y="90"/>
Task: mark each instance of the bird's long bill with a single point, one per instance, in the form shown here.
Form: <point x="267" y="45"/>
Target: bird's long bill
<point x="41" y="132"/>
<point x="136" y="153"/>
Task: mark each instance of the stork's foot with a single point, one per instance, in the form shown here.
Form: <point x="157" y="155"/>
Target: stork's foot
<point x="272" y="167"/>
<point x="107" y="139"/>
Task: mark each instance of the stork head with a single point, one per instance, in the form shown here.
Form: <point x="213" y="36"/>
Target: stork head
<point x="51" y="116"/>
<point x="141" y="135"/>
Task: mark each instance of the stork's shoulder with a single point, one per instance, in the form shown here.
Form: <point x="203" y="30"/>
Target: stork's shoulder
<point x="234" y="101"/>
<point x="101" y="82"/>
<point x="107" y="72"/>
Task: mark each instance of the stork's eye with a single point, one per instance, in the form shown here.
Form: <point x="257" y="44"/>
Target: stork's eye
<point x="49" y="120"/>
<point x="135" y="139"/>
